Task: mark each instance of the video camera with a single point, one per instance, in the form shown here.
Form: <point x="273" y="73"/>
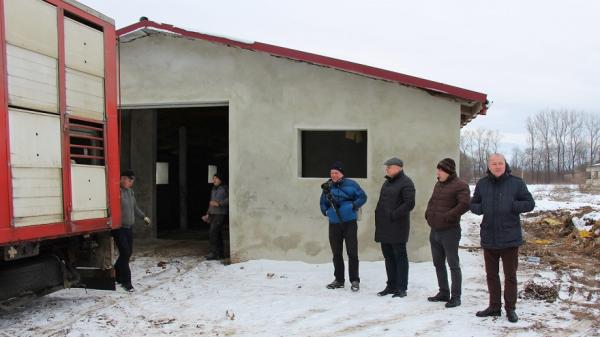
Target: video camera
<point x="326" y="187"/>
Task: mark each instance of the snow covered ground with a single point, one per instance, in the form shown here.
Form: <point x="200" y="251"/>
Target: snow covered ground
<point x="191" y="297"/>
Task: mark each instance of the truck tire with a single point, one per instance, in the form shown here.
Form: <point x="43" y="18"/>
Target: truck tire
<point x="33" y="275"/>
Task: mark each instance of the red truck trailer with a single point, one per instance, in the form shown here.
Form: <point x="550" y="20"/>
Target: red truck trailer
<point x="59" y="147"/>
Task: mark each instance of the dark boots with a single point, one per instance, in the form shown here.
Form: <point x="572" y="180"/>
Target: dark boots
<point x="488" y="312"/>
<point x="386" y="291"/>
<point x="512" y="316"/>
<point x="439" y="297"/>
<point x="399" y="293"/>
<point x="454" y="302"/>
<point x="335" y="285"/>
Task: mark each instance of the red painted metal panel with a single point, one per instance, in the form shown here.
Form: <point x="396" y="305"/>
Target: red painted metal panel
<point x="53" y="231"/>
<point x="91" y="225"/>
<point x="352" y="67"/>
<point x="111" y="134"/>
<point x="5" y="178"/>
<point x="8" y="233"/>
<point x="32" y="232"/>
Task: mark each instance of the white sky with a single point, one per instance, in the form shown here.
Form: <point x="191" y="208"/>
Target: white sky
<point x="526" y="55"/>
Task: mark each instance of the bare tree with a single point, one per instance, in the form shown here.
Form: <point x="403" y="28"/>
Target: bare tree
<point x="558" y="129"/>
<point x="531" y="139"/>
<point x="542" y="125"/>
<point x="574" y="137"/>
<point x="592" y="132"/>
<point x="477" y="145"/>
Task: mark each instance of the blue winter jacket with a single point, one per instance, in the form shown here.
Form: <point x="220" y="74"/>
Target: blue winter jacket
<point x="501" y="200"/>
<point x="348" y="198"/>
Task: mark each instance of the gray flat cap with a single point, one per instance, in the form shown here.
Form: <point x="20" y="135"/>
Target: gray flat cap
<point x="394" y="161"/>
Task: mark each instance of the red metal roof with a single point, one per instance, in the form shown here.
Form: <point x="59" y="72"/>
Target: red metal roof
<point x="431" y="86"/>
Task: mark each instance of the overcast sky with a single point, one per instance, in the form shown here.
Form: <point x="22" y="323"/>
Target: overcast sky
<point x="526" y="55"/>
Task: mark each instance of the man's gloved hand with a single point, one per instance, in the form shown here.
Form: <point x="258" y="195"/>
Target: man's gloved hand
<point x="147" y="221"/>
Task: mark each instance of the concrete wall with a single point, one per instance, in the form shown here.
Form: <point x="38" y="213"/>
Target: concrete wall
<point x="274" y="213"/>
<point x="138" y="152"/>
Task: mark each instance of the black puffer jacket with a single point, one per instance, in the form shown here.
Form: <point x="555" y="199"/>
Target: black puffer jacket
<point x="392" y="215"/>
<point x="501" y="200"/>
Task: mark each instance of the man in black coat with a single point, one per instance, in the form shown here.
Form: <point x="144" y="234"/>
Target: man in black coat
<point x="392" y="225"/>
<point x="501" y="197"/>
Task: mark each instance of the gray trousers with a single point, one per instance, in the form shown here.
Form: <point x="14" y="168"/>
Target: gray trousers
<point x="444" y="247"/>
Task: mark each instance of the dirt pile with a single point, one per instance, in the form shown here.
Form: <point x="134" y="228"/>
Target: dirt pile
<point x="535" y="291"/>
<point x="553" y="233"/>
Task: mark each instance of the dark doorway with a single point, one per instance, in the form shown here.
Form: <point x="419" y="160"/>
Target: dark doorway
<point x="201" y="136"/>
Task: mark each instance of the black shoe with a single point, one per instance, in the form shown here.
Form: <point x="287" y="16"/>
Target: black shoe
<point x="355" y="286"/>
<point x="399" y="293"/>
<point x="128" y="287"/>
<point x="335" y="285"/>
<point x="488" y="312"/>
<point x="386" y="291"/>
<point x="512" y="316"/>
<point x="439" y="297"/>
<point x="454" y="302"/>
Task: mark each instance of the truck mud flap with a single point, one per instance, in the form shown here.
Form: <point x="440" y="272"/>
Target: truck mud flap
<point x="96" y="278"/>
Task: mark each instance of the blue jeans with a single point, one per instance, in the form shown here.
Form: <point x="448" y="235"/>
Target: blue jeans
<point x="396" y="265"/>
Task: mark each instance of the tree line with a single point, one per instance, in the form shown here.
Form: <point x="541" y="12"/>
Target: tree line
<point x="560" y="145"/>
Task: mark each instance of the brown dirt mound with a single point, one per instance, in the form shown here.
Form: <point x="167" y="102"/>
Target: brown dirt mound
<point x="534" y="291"/>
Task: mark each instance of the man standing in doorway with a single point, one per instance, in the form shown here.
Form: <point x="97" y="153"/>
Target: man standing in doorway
<point x="124" y="235"/>
<point x="218" y="208"/>
<point x="501" y="197"/>
<point x="392" y="225"/>
<point x="340" y="200"/>
<point x="449" y="200"/>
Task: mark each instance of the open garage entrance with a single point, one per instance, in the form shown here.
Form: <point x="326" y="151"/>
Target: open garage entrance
<point x="175" y="152"/>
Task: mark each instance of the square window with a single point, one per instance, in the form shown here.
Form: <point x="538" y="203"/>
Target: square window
<point x="320" y="149"/>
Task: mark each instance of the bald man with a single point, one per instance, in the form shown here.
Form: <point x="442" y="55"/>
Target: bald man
<point x="500" y="197"/>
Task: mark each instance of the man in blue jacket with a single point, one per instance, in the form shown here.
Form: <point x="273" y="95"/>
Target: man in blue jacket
<point x="501" y="197"/>
<point x="340" y="200"/>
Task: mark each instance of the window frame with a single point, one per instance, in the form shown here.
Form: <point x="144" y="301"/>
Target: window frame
<point x="300" y="129"/>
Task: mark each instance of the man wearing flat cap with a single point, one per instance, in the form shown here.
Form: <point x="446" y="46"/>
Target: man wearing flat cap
<point x="124" y="235"/>
<point x="340" y="200"/>
<point x="392" y="225"/>
<point x="449" y="200"/>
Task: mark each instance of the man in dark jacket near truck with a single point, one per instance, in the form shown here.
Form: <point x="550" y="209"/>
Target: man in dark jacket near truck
<point x="450" y="200"/>
<point x="392" y="225"/>
<point x="124" y="236"/>
<point x="501" y="197"/>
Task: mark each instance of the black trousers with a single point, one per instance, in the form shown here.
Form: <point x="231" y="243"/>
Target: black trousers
<point x="216" y="234"/>
<point x="396" y="265"/>
<point x="444" y="247"/>
<point x="338" y="233"/>
<point x="124" y="241"/>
